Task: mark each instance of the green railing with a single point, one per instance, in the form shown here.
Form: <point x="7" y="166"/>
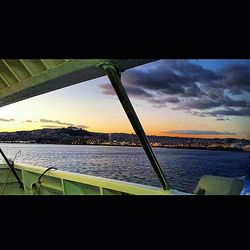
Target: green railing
<point x="57" y="182"/>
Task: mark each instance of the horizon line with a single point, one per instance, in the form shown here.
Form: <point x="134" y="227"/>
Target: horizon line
<point x="194" y="136"/>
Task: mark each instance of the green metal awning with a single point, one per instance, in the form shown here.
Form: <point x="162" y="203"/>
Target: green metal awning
<point x="24" y="78"/>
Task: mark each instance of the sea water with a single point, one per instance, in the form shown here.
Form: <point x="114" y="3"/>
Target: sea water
<point x="182" y="167"/>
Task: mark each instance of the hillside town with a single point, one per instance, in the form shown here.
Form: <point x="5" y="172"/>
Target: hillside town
<point x="78" y="136"/>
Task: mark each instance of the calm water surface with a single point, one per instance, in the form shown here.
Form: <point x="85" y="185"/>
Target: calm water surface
<point x="183" y="167"/>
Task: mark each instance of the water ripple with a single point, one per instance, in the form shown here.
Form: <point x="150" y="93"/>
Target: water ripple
<point x="182" y="167"/>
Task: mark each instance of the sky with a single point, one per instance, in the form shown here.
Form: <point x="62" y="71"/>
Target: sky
<point x="188" y="98"/>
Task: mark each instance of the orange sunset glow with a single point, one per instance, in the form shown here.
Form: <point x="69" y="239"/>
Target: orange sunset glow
<point x="198" y="98"/>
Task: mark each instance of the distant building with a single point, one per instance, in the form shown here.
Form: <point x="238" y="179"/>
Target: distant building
<point x="110" y="137"/>
<point x="234" y="145"/>
<point x="73" y="128"/>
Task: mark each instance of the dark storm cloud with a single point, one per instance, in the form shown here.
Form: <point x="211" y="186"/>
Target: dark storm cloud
<point x="158" y="78"/>
<point x="192" y="91"/>
<point x="6" y="120"/>
<point x="236" y="77"/>
<point x="208" y="103"/>
<point x="171" y="77"/>
<point x="194" y="71"/>
<point x="198" y="132"/>
<point x="165" y="77"/>
<point x="142" y="94"/>
<point x="201" y="104"/>
<point x="172" y="99"/>
<point x="191" y="87"/>
<point x="229" y="102"/>
<point x="136" y="92"/>
<point x="229" y="112"/>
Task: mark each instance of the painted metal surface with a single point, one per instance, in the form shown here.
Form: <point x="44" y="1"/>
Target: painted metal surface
<point x="24" y="78"/>
<point x="56" y="182"/>
<point x="115" y="78"/>
<point x="212" y="185"/>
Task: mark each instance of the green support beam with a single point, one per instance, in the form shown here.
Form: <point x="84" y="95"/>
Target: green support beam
<point x="113" y="72"/>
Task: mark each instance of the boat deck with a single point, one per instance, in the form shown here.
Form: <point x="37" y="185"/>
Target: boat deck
<point x="57" y="182"/>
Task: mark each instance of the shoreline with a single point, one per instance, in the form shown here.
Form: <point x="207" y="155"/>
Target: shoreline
<point x="137" y="146"/>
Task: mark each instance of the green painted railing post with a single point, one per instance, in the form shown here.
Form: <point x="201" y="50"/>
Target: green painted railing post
<point x="11" y="166"/>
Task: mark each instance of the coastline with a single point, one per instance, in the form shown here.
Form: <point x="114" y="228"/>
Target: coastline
<point x="137" y="146"/>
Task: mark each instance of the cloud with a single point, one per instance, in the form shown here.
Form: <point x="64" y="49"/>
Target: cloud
<point x="56" y="122"/>
<point x="208" y="103"/>
<point x="172" y="99"/>
<point x="82" y="126"/>
<point x="55" y="126"/>
<point x="237" y="77"/>
<point x="201" y="104"/>
<point x="198" y="132"/>
<point x="27" y="121"/>
<point x="51" y="126"/>
<point x="60" y="123"/>
<point x="221" y="119"/>
<point x="107" y="89"/>
<point x="196" y="113"/>
<point x="190" y="87"/>
<point x="136" y="92"/>
<point x="6" y="120"/>
<point x="229" y="112"/>
<point x="164" y="77"/>
<point x="171" y="77"/>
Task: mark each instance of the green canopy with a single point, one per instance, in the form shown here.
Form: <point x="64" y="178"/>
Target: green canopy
<point x="24" y="78"/>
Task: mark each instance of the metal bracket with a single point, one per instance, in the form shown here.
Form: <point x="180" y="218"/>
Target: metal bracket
<point x="114" y="67"/>
<point x="111" y="65"/>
